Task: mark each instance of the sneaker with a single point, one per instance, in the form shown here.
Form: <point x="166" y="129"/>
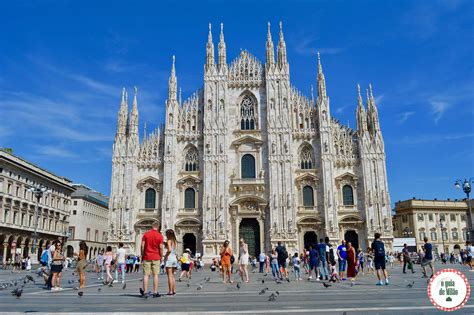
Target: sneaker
<point x="156" y="295"/>
<point x="115" y="281"/>
<point x="59" y="289"/>
<point x="386" y="282"/>
<point x="310" y="278"/>
<point x="317" y="279"/>
<point x="142" y="293"/>
<point x="344" y="279"/>
<point x="379" y="283"/>
<point x="54" y="289"/>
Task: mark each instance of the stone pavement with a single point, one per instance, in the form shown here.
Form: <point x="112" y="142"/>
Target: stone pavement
<point x="305" y="297"/>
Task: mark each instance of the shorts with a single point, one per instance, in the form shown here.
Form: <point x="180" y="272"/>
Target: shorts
<point x="81" y="265"/>
<point x="171" y="261"/>
<point x="56" y="268"/>
<point x="151" y="266"/>
<point x="185" y="267"/>
<point x="313" y="265"/>
<point x="379" y="262"/>
<point x="468" y="259"/>
<point x="426" y="262"/>
<point x="43" y="264"/>
<point x="342" y="265"/>
<point x="282" y="263"/>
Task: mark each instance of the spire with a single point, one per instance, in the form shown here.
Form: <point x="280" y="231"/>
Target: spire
<point x="144" y="132"/>
<point x="122" y="115"/>
<point x="209" y="49"/>
<point x="372" y="112"/>
<point x="281" y="50"/>
<point x="180" y="96"/>
<point x="321" y="79"/>
<point x="312" y="94"/>
<point x="270" y="49"/>
<point x="172" y="83"/>
<point x="361" y="116"/>
<point x="133" y="123"/>
<point x="221" y="49"/>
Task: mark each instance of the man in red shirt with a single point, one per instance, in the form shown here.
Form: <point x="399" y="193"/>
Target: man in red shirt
<point x="152" y="252"/>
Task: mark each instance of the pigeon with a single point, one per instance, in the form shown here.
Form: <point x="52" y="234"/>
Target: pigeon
<point x="110" y="285"/>
<point x="73" y="274"/>
<point x="199" y="287"/>
<point x="76" y="288"/>
<point x="124" y="286"/>
<point x="15" y="283"/>
<point x="277" y="281"/>
<point x="238" y="285"/>
<point x="70" y="281"/>
<point x="272" y="297"/>
<point x="17" y="292"/>
<point x="410" y="285"/>
<point x="80" y="293"/>
<point x="326" y="285"/>
<point x="265" y="275"/>
<point x="207" y="279"/>
<point x="352" y="283"/>
<point x="263" y="291"/>
<point x="263" y="281"/>
<point x="30" y="278"/>
<point x="276" y="292"/>
<point x="188" y="285"/>
<point x="288" y="279"/>
<point x="99" y="289"/>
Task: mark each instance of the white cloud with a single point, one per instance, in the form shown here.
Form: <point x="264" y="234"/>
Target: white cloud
<point x="438" y="108"/>
<point x="430" y="138"/>
<point x="55" y="151"/>
<point x="305" y="47"/>
<point x="402" y="117"/>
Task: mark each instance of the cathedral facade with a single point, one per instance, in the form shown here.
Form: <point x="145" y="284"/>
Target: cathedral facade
<point x="249" y="156"/>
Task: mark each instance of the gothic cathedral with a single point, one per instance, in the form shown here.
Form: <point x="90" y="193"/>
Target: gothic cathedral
<point x="249" y="156"/>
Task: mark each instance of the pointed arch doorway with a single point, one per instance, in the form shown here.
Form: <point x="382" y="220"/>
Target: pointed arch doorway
<point x="189" y="241"/>
<point x="310" y="238"/>
<point x="353" y="237"/>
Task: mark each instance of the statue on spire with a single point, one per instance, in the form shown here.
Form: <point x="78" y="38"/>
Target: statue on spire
<point x="270" y="48"/>
<point x="209" y="50"/>
<point x="222" y="49"/>
<point x="321" y="79"/>
<point x="172" y="83"/>
<point x="281" y="50"/>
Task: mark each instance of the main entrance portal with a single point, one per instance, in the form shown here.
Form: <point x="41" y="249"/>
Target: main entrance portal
<point x="189" y="241"/>
<point x="351" y="236"/>
<point x="310" y="239"/>
<point x="249" y="230"/>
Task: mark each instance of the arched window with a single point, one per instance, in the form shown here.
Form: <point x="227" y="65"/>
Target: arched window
<point x="150" y="198"/>
<point x="189" y="198"/>
<point x="347" y="195"/>
<point x="306" y="158"/>
<point x="308" y="197"/>
<point x="248" y="166"/>
<point x="191" y="162"/>
<point x="247" y="114"/>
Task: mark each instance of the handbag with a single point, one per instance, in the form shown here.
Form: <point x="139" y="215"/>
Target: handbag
<point x="410" y="265"/>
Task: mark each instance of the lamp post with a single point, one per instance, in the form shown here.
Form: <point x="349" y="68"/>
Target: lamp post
<point x="407" y="232"/>
<point x="38" y="192"/>
<point x="466" y="187"/>
<point x="442" y="226"/>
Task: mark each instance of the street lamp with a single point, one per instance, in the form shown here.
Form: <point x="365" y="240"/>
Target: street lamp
<point x="442" y="226"/>
<point x="466" y="187"/>
<point x="38" y="192"/>
<point x="407" y="232"/>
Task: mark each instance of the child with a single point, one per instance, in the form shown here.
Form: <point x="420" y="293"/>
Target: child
<point x="334" y="274"/>
<point x="296" y="266"/>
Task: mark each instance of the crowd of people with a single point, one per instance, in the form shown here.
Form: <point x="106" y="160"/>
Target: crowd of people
<point x="321" y="261"/>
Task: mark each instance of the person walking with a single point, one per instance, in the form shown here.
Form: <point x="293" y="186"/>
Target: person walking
<point x="341" y="257"/>
<point x="312" y="262"/>
<point x="469" y="254"/>
<point x="28" y="263"/>
<point x="351" y="263"/>
<point x="152" y="252"/>
<point x="274" y="264"/>
<point x="136" y="264"/>
<point x="120" y="262"/>
<point x="360" y="258"/>
<point x="243" y="260"/>
<point x="185" y="264"/>
<point x="296" y="266"/>
<point x="427" y="259"/>
<point x="82" y="263"/>
<point x="261" y="259"/>
<point x="100" y="265"/>
<point x="407" y="259"/>
<point x="226" y="255"/>
<point x="57" y="267"/>
<point x="378" y="248"/>
<point x="108" y="262"/>
<point x="322" y="260"/>
<point x="171" y="260"/>
<point x="282" y="258"/>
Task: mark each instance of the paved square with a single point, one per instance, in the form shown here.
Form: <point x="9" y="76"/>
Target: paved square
<point x="302" y="297"/>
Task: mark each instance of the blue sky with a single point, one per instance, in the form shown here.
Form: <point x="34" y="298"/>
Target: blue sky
<point x="63" y="65"/>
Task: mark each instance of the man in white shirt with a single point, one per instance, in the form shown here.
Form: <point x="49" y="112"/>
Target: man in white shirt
<point x="469" y="254"/>
<point x="261" y="260"/>
<point x="120" y="262"/>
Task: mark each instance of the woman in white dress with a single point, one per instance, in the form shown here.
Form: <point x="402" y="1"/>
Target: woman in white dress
<point x="244" y="260"/>
<point x="171" y="261"/>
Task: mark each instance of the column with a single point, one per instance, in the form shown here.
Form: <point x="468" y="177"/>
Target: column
<point x="5" y="247"/>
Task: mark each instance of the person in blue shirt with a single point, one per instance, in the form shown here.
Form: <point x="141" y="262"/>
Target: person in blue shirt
<point x="428" y="258"/>
<point x="322" y="262"/>
<point x="342" y="256"/>
<point x="313" y="261"/>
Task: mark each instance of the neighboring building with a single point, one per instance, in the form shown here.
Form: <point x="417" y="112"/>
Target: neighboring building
<point x="89" y="220"/>
<point x="17" y="206"/>
<point x="248" y="155"/>
<point x="438" y="220"/>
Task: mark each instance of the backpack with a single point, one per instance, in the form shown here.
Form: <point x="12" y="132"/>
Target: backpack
<point x="378" y="248"/>
<point x="332" y="259"/>
<point x="232" y="259"/>
<point x="285" y="253"/>
<point x="44" y="257"/>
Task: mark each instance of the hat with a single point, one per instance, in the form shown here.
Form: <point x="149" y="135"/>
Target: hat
<point x="187" y="250"/>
